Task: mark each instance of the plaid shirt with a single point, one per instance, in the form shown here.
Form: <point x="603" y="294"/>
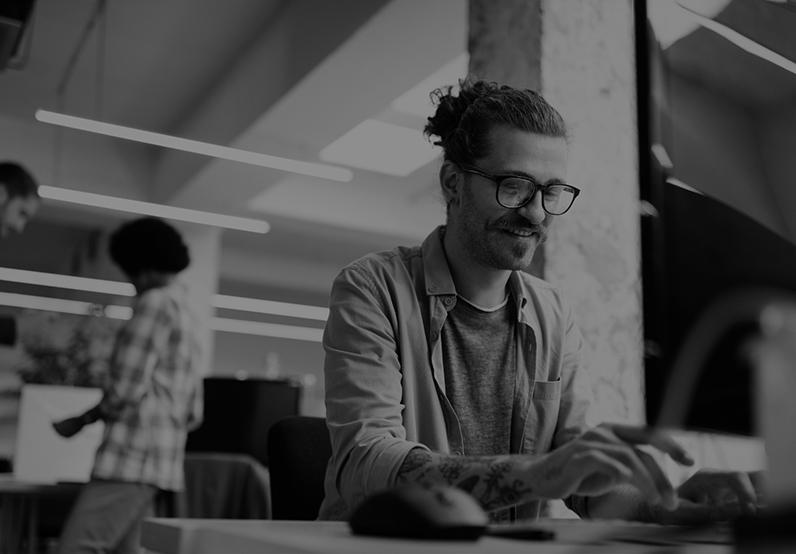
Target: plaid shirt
<point x="154" y="392"/>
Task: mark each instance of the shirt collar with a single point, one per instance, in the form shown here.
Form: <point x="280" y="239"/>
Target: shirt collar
<point x="435" y="265"/>
<point x="439" y="281"/>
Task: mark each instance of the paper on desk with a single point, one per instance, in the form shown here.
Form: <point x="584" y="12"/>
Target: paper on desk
<point x="43" y="456"/>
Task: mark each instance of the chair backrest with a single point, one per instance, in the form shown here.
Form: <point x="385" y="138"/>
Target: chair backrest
<point x="298" y="450"/>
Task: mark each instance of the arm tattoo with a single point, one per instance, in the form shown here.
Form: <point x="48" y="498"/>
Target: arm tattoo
<point x="495" y="481"/>
<point x="416" y="460"/>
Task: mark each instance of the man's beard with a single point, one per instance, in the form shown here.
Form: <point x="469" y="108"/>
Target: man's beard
<point x="492" y="247"/>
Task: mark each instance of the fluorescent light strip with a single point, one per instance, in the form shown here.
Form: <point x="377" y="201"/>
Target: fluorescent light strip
<point x="742" y="42"/>
<point x="151" y="209"/>
<point x="324" y="171"/>
<point x="76" y="307"/>
<point x="678" y="183"/>
<point x="46" y="304"/>
<point x="266" y="329"/>
<point x="66" y="281"/>
<point x="120" y="288"/>
<point x="662" y="156"/>
<point x="270" y="307"/>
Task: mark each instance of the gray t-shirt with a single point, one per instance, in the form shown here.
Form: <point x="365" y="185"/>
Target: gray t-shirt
<point x="479" y="355"/>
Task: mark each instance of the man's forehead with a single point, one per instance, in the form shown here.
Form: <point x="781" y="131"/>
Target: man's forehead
<point x="512" y="144"/>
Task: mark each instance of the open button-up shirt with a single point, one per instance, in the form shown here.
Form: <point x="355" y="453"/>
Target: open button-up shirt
<point x="385" y="382"/>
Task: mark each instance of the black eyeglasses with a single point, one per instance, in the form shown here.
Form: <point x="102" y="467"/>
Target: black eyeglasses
<point x="514" y="191"/>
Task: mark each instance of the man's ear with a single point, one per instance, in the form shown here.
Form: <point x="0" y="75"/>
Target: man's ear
<point x="3" y="194"/>
<point x="450" y="179"/>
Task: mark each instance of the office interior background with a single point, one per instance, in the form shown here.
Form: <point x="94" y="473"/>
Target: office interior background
<point x="345" y="84"/>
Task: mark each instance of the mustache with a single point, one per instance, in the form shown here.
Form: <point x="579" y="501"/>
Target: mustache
<point x="521" y="224"/>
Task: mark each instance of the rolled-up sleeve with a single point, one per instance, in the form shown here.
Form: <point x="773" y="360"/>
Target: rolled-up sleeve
<point x="363" y="381"/>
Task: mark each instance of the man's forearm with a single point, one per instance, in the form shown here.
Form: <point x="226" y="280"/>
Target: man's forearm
<point x="494" y="481"/>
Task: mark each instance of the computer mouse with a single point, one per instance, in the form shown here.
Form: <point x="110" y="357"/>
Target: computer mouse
<point x="420" y="512"/>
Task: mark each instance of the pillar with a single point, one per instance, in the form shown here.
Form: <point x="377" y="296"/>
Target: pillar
<point x="579" y="54"/>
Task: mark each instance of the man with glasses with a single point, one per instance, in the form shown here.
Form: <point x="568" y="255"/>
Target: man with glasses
<point x="447" y="363"/>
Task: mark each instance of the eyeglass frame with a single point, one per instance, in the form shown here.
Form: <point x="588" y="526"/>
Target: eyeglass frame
<point x="499" y="178"/>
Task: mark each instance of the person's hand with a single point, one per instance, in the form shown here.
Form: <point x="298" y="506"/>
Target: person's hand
<point x="607" y="456"/>
<point x="68" y="427"/>
<point x="713" y="495"/>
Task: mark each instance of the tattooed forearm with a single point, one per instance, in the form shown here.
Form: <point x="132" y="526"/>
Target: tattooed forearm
<point x="415" y="461"/>
<point x="495" y="481"/>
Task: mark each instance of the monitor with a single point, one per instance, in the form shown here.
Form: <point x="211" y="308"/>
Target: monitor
<point x="717" y="174"/>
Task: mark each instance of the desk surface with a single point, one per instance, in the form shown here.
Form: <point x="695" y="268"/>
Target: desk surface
<point x="198" y="536"/>
<point x="9" y="485"/>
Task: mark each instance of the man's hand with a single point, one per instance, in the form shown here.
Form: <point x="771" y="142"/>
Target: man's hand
<point x="712" y="495"/>
<point x="607" y="456"/>
<point x="69" y="427"/>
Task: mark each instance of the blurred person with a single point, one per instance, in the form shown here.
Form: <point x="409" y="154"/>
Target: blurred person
<point x="152" y="398"/>
<point x="19" y="202"/>
<point x="447" y="363"/>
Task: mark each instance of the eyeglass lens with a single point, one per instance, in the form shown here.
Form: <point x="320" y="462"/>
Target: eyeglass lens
<point x="556" y="199"/>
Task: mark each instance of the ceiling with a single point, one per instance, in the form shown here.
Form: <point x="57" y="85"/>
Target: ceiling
<point x="278" y="77"/>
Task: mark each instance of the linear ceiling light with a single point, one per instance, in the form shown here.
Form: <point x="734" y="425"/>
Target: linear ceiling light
<point x="51" y="304"/>
<point x="121" y="288"/>
<point x="71" y="282"/>
<point x="741" y="41"/>
<point x="77" y="307"/>
<point x="660" y="153"/>
<point x="152" y="209"/>
<point x="683" y="185"/>
<point x="266" y="329"/>
<point x="270" y="307"/>
<point x="323" y="171"/>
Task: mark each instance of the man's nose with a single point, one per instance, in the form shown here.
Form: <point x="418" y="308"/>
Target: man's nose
<point x="533" y="210"/>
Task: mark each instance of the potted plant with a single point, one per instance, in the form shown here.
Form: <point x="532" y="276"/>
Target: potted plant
<point x="62" y="376"/>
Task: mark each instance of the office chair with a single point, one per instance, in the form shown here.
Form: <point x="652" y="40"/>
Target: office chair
<point x="298" y="450"/>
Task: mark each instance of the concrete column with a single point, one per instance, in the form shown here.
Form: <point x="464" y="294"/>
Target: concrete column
<point x="201" y="276"/>
<point x="594" y="250"/>
<point x="504" y="41"/>
<point x="579" y="53"/>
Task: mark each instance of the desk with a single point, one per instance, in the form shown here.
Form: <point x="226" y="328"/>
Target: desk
<point x="208" y="536"/>
<point x="217" y="485"/>
<point x="19" y="511"/>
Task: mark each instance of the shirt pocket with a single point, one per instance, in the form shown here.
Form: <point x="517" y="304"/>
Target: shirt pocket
<point x="547" y="391"/>
<point x="540" y="426"/>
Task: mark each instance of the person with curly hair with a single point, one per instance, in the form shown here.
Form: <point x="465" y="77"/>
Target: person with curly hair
<point x="152" y="398"/>
<point x="447" y="363"/>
